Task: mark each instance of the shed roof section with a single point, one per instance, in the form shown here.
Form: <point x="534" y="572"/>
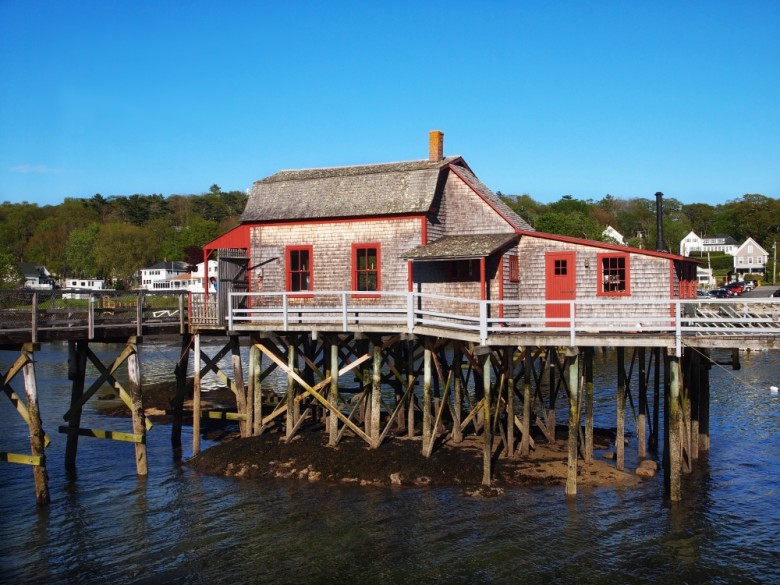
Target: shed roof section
<point x="468" y="246"/>
<point x="357" y="191"/>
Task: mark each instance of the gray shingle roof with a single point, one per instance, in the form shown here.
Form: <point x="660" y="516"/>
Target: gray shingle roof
<point x="367" y="190"/>
<point x="494" y="200"/>
<point x="468" y="246"/>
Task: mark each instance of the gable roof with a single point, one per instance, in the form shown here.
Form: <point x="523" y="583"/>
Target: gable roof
<point x="366" y="190"/>
<point x="750" y="240"/>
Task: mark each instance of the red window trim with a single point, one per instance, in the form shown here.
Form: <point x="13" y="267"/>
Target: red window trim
<point x="365" y="246"/>
<point x="600" y="275"/>
<point x="288" y="273"/>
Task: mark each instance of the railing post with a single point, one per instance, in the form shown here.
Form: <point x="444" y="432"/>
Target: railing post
<point x="285" y="315"/>
<point x="34" y="318"/>
<point x="91" y="317"/>
<point x="139" y="315"/>
<point x="182" y="330"/>
<point x="410" y="312"/>
<point x="344" y="320"/>
<point x="483" y="328"/>
<point x="677" y="328"/>
<point x="230" y="312"/>
<point x="572" y="324"/>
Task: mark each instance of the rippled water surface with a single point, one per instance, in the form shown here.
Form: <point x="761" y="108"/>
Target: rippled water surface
<point x="106" y="525"/>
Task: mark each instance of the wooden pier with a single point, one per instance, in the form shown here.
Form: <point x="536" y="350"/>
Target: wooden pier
<point x="401" y="369"/>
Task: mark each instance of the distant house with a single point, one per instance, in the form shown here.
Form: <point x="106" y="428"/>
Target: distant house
<point x="614" y="235"/>
<point x="163" y="275"/>
<point x="80" y="288"/>
<point x="197" y="277"/>
<point x="425" y="226"/>
<point x="36" y="277"/>
<point x="750" y="258"/>
<point x="719" y="243"/>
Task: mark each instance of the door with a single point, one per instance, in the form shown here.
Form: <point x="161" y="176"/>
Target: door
<point x="560" y="285"/>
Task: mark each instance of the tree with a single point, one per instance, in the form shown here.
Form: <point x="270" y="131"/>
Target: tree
<point x="121" y="250"/>
<point x="80" y="251"/>
<point x="575" y="225"/>
<point x="10" y="276"/>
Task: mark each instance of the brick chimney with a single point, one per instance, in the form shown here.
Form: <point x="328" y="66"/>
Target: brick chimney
<point x="435" y="145"/>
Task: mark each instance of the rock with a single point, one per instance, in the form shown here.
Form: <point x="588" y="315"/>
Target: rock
<point x="645" y="472"/>
<point x="422" y="480"/>
<point x="609" y="455"/>
<point x="648" y="464"/>
<point x="395" y="479"/>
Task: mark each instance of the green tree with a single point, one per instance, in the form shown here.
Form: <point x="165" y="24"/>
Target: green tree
<point x="10" y="276"/>
<point x="80" y="251"/>
<point x="121" y="250"/>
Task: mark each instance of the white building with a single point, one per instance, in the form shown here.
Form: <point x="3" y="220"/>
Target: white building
<point x="750" y="258"/>
<point x="720" y="243"/>
<point x="161" y="275"/>
<point x="613" y="234"/>
<point x="197" y="279"/>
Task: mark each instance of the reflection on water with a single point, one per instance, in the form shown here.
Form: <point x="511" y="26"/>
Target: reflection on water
<point x="175" y="526"/>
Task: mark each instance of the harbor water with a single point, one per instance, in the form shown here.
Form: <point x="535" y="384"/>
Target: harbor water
<point x="107" y="525"/>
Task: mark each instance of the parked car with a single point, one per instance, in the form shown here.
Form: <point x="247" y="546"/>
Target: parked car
<point x="720" y="293"/>
<point x="736" y="288"/>
<point x="776" y="293"/>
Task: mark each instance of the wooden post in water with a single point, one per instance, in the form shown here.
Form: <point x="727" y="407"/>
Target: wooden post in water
<point x="238" y="386"/>
<point x="573" y="378"/>
<point x="37" y="437"/>
<point x="137" y="411"/>
<point x="291" y="417"/>
<point x="674" y="424"/>
<point x="552" y="360"/>
<point x="656" y="399"/>
<point x="196" y="398"/>
<point x="181" y="391"/>
<point x="525" y="440"/>
<point x="410" y="384"/>
<point x="77" y="368"/>
<point x="510" y="400"/>
<point x="376" y="394"/>
<point x="333" y="395"/>
<point x="427" y="430"/>
<point x="693" y="384"/>
<point x="588" y="367"/>
<point x="620" y="435"/>
<point x="255" y="386"/>
<point x="641" y="423"/>
<point x="704" y="402"/>
<point x="487" y="450"/>
<point x="457" y="433"/>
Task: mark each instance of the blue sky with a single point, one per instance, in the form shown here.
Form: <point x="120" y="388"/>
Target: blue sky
<point x="546" y="98"/>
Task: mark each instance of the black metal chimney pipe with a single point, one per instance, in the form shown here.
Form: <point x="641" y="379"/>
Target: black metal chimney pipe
<point x="659" y="222"/>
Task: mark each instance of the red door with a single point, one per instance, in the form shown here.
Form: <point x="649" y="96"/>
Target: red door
<point x="561" y="285"/>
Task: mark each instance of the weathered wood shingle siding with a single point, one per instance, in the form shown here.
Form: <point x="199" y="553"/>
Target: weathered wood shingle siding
<point x="649" y="279"/>
<point x="332" y="252"/>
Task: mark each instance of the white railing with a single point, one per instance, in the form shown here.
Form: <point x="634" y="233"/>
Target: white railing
<point x="410" y="311"/>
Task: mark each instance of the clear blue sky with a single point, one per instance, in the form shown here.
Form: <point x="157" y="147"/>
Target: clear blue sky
<point x="546" y="98"/>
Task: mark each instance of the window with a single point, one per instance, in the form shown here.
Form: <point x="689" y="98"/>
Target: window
<point x="366" y="274"/>
<point x="514" y="269"/>
<point x="299" y="268"/>
<point x="463" y="271"/>
<point x="613" y="276"/>
<point x="560" y="268"/>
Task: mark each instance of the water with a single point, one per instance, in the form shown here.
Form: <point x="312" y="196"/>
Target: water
<point x="108" y="526"/>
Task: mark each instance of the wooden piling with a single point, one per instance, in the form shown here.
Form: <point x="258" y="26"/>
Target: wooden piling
<point x="255" y="387"/>
<point x="588" y="368"/>
<point x="181" y="391"/>
<point x="487" y="450"/>
<point x="620" y="434"/>
<point x="573" y="379"/>
<point x="137" y="410"/>
<point x="641" y="422"/>
<point x="292" y="405"/>
<point x="333" y="395"/>
<point x="510" y="401"/>
<point x="37" y="437"/>
<point x="238" y="386"/>
<point x="457" y="372"/>
<point x="77" y="368"/>
<point x="674" y="423"/>
<point x="525" y="440"/>
<point x="376" y="395"/>
<point x="427" y="430"/>
<point x="704" y="402"/>
<point x="196" y="398"/>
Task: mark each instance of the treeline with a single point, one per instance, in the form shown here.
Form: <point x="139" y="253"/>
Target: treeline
<point x="113" y="237"/>
<point x="752" y="215"/>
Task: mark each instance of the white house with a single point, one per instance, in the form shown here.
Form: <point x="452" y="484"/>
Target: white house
<point x="719" y="243"/>
<point x="613" y="234"/>
<point x="196" y="279"/>
<point x="750" y="258"/>
<point x="36" y="277"/>
<point x="161" y="275"/>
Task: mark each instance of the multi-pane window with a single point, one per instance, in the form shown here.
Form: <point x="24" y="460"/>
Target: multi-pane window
<point x="299" y="268"/>
<point x="560" y="268"/>
<point x="514" y="269"/>
<point x="614" y="277"/>
<point x="366" y="275"/>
